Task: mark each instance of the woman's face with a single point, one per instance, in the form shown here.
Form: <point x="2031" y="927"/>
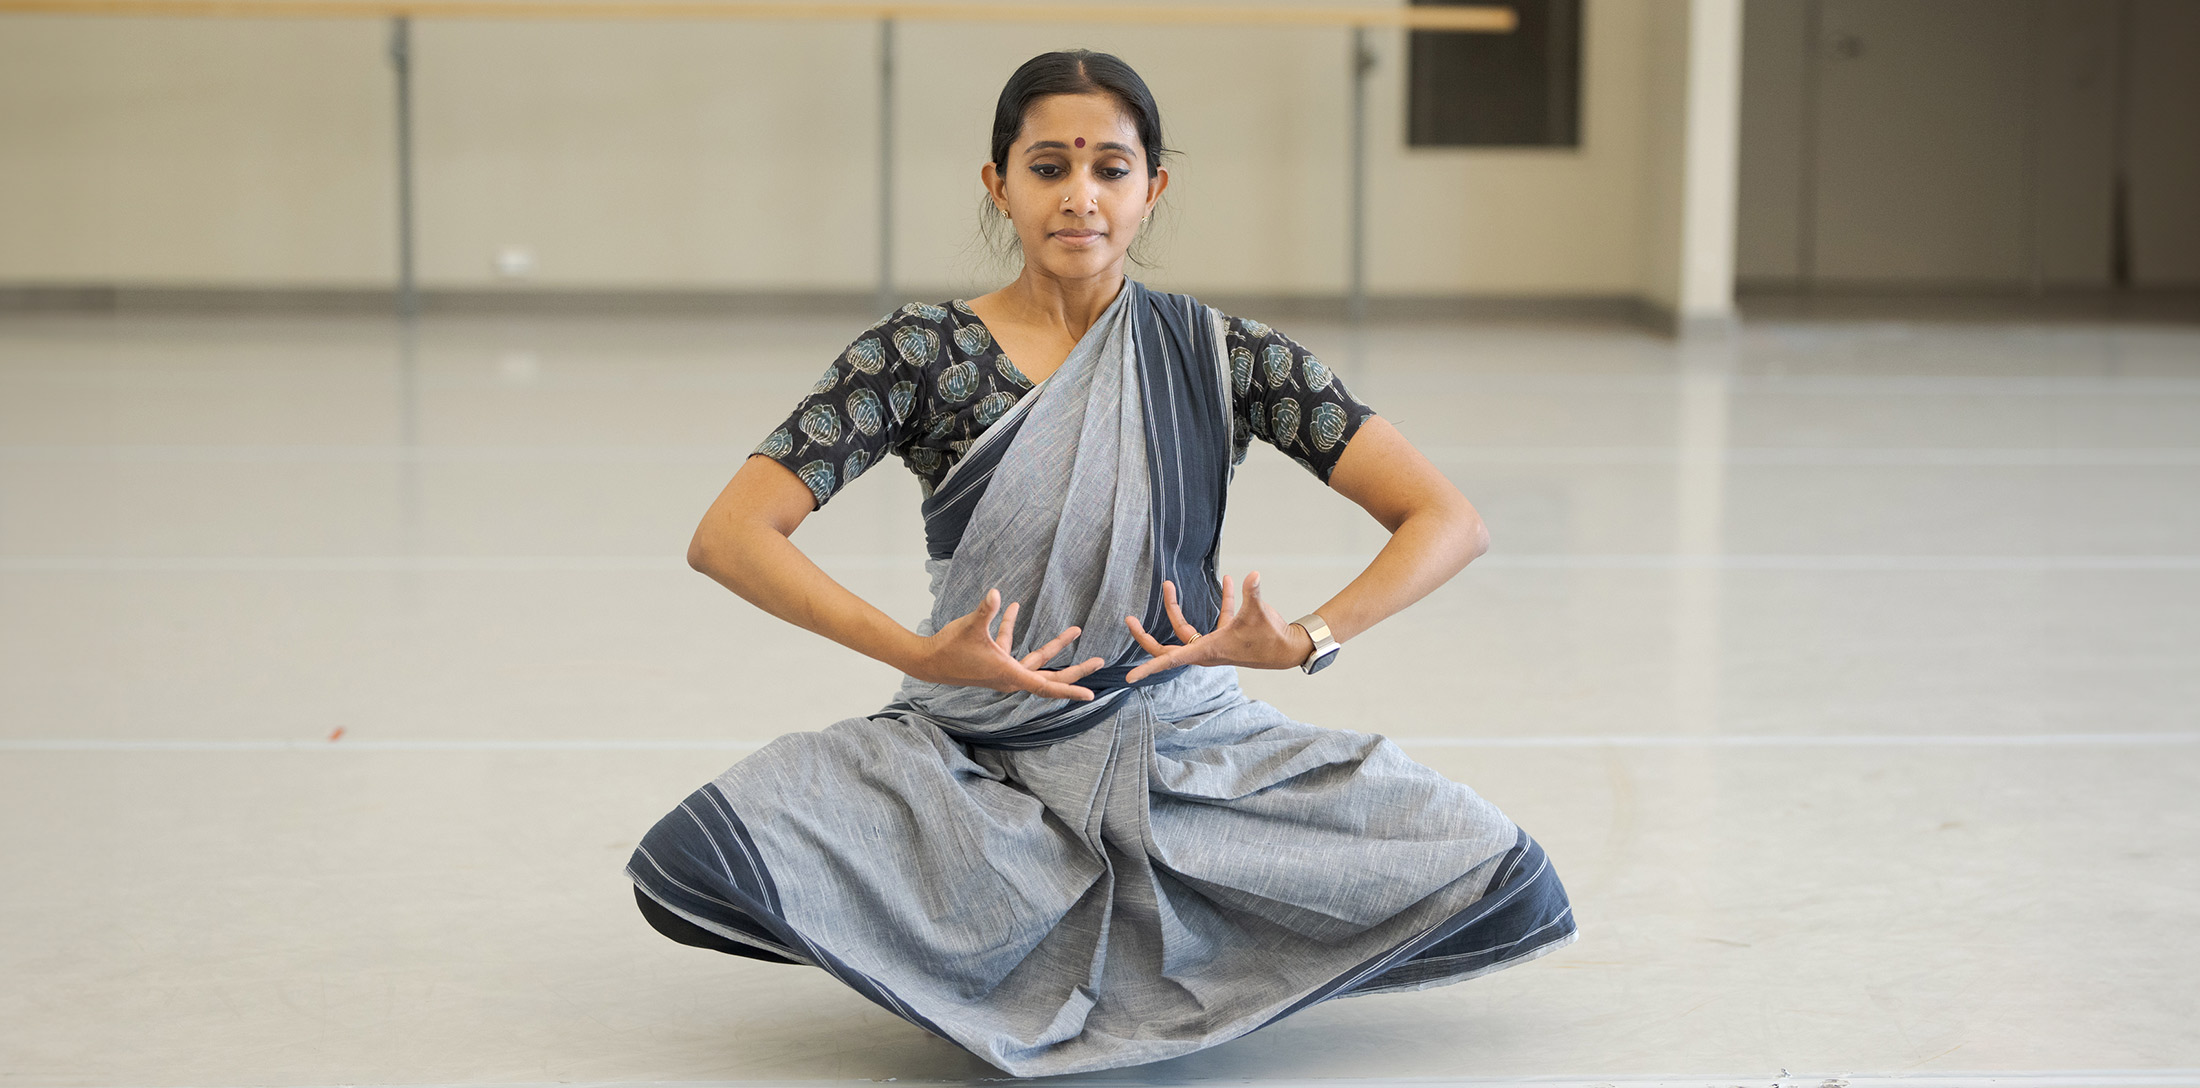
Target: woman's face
<point x="1075" y="184"/>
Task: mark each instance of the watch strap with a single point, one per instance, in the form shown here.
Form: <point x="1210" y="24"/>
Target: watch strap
<point x="1325" y="645"/>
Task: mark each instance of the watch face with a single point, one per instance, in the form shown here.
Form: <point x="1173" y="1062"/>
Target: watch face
<point x="1322" y="662"/>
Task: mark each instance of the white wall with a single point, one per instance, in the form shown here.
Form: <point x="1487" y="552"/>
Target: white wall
<point x="1665" y="163"/>
<point x="648" y="155"/>
<point x="1518" y="221"/>
<point x="740" y="156"/>
<point x="164" y="151"/>
<point x="1693" y="103"/>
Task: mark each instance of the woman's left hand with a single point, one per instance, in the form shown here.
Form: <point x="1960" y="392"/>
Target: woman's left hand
<point x="1255" y="636"/>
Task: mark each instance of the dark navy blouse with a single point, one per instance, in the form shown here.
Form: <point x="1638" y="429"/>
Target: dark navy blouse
<point x="927" y="379"/>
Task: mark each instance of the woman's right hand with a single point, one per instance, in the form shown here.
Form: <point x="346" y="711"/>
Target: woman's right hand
<point x="964" y="653"/>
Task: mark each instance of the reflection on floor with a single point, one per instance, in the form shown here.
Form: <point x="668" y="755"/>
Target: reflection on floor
<point x="1848" y="671"/>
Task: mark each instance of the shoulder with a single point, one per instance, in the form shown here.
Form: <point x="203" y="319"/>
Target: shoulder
<point x="1183" y="311"/>
<point x="945" y="356"/>
<point x="1239" y="333"/>
<point x="1248" y="340"/>
<point x="1268" y="364"/>
<point x="919" y="336"/>
<point x="1247" y="331"/>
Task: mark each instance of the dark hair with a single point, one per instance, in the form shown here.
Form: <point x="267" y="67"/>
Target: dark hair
<point x="1077" y="71"/>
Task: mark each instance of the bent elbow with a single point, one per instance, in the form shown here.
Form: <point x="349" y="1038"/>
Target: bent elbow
<point x="1477" y="535"/>
<point x="701" y="556"/>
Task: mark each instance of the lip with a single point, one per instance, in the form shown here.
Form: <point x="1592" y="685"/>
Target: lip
<point x="1079" y="237"/>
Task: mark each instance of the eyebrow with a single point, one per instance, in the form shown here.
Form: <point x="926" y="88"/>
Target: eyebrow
<point x="1048" y="145"/>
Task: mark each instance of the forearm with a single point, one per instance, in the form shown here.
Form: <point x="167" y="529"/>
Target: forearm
<point x="1427" y="546"/>
<point x="1424" y="551"/>
<point x="765" y="568"/>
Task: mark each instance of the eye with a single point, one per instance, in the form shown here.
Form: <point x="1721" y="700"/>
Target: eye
<point x="1047" y="170"/>
<point x="1115" y="173"/>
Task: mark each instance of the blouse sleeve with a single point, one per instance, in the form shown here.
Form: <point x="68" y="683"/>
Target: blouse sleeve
<point x="858" y="411"/>
<point x="1289" y="399"/>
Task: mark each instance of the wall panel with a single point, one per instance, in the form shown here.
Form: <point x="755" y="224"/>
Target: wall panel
<point x="161" y="151"/>
<point x="740" y="156"/>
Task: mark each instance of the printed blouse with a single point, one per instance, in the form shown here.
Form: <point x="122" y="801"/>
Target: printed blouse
<point x="924" y="381"/>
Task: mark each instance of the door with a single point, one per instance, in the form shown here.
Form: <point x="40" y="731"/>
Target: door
<point x="1922" y="143"/>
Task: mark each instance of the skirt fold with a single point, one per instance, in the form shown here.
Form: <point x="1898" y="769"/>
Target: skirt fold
<point x="1191" y="869"/>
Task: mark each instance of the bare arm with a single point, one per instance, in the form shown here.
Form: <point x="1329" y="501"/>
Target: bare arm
<point x="1434" y="533"/>
<point x="743" y="544"/>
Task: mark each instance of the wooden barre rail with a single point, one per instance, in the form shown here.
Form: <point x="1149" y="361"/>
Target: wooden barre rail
<point x="1486" y="19"/>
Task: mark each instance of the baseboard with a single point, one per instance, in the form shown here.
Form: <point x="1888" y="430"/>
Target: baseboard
<point x="1756" y="300"/>
<point x="122" y="298"/>
<point x="1782" y="300"/>
<point x="1686" y="327"/>
<point x="130" y="298"/>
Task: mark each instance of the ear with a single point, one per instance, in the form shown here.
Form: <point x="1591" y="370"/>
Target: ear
<point x="1153" y="188"/>
<point x="995" y="185"/>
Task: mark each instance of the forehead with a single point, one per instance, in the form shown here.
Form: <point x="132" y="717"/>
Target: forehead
<point x="1065" y="117"/>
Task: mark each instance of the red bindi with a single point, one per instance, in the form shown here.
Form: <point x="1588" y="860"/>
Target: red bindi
<point x="1080" y="141"/>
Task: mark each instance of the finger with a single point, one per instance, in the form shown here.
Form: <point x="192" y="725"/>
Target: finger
<point x="1041" y="683"/>
<point x="1181" y="655"/>
<point x="1229" y="602"/>
<point x="1039" y="657"/>
<point x="1063" y="691"/>
<point x="1073" y="673"/>
<point x="1146" y="642"/>
<point x="1185" y="632"/>
<point x="1046" y="653"/>
<point x="1257" y="611"/>
<point x="979" y="618"/>
<point x="1007" y="637"/>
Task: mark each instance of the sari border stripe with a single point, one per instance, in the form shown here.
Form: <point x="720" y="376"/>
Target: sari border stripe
<point x="947" y="510"/>
<point x="1177" y="356"/>
<point x="1524" y="852"/>
<point x="750" y="897"/>
<point x="722" y="927"/>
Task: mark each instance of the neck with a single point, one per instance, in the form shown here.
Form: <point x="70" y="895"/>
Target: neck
<point x="1069" y="304"/>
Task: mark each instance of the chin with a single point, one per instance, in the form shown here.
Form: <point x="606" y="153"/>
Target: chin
<point x="1080" y="265"/>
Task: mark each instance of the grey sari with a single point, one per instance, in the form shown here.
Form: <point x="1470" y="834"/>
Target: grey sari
<point x="1060" y="887"/>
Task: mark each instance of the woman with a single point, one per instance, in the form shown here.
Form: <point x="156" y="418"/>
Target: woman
<point x="1071" y="843"/>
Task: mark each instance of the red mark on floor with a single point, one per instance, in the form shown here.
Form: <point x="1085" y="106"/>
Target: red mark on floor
<point x="336" y="734"/>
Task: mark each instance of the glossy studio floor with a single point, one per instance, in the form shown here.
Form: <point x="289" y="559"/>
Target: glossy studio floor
<point x="1848" y="671"/>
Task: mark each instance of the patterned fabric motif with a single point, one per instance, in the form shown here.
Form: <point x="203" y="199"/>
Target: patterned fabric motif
<point x="924" y="381"/>
<point x="1289" y="399"/>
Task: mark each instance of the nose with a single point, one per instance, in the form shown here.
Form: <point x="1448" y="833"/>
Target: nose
<point x="1083" y="198"/>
